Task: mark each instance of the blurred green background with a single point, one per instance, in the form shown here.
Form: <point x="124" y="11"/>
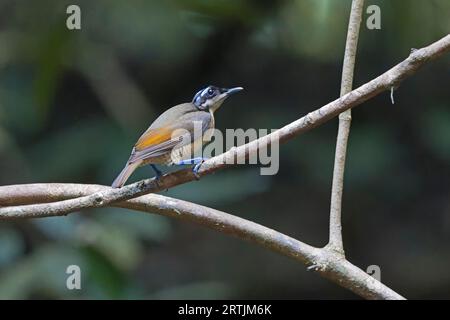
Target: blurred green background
<point x="72" y="103"/>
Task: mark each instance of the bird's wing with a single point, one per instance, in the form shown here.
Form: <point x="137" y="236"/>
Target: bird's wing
<point x="158" y="141"/>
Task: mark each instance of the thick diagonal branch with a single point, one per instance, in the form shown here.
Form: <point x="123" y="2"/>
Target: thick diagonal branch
<point x="345" y="118"/>
<point x="390" y="78"/>
<point x="326" y="262"/>
<point x="15" y="200"/>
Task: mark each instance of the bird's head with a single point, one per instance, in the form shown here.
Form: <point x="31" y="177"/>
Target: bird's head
<point x="211" y="97"/>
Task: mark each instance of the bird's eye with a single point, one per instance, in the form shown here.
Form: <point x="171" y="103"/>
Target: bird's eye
<point x="210" y="92"/>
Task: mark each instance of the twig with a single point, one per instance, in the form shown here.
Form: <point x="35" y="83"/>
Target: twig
<point x="327" y="262"/>
<point x="390" y="78"/>
<point x="345" y="119"/>
<point x="392" y="95"/>
<point x="322" y="260"/>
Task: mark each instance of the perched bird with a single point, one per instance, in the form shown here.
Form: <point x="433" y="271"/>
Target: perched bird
<point x="170" y="139"/>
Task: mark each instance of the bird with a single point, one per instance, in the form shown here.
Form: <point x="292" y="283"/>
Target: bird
<point x="170" y="139"/>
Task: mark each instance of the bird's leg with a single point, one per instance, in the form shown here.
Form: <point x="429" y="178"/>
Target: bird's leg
<point x="197" y="167"/>
<point x="198" y="163"/>
<point x="157" y="171"/>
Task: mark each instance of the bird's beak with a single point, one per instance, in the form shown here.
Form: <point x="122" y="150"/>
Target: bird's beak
<point x="224" y="93"/>
<point x="231" y="91"/>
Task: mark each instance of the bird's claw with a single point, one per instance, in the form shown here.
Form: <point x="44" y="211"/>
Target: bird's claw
<point x="196" y="168"/>
<point x="157" y="172"/>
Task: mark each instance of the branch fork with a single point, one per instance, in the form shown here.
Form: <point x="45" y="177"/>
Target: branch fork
<point x="44" y="200"/>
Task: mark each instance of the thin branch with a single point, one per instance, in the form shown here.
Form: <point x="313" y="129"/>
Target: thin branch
<point x="345" y="119"/>
<point x="103" y="198"/>
<point x="322" y="260"/>
<point x="325" y="261"/>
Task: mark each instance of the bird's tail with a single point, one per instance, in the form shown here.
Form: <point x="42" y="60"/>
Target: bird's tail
<point x="125" y="174"/>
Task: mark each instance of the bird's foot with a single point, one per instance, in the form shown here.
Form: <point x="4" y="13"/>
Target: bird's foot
<point x="158" y="174"/>
<point x="198" y="163"/>
<point x="197" y="167"/>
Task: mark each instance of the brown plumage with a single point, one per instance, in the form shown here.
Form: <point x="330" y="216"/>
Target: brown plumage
<point x="172" y="137"/>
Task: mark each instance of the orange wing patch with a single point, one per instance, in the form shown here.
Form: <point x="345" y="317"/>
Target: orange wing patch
<point x="154" y="137"/>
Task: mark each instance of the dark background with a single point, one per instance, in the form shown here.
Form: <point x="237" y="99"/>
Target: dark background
<point x="72" y="104"/>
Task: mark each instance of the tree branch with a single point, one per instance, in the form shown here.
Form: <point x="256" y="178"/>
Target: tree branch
<point x="390" y="78"/>
<point x="345" y="119"/>
<point x="322" y="260"/>
<point x="330" y="264"/>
